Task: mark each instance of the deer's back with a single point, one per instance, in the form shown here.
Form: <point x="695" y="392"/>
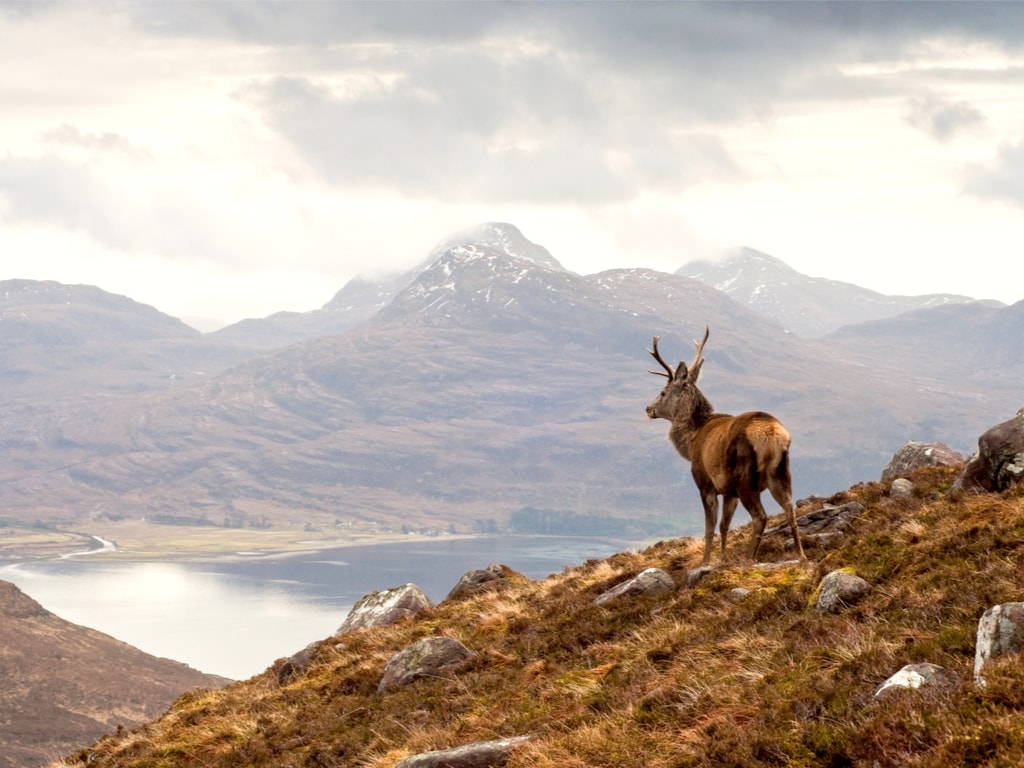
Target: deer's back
<point x="727" y="447"/>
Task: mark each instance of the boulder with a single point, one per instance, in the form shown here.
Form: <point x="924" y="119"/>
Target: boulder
<point x="901" y="488"/>
<point x="429" y="657"/>
<point x="482" y="754"/>
<point x="385" y="606"/>
<point x="297" y="664"/>
<point x="916" y="455"/>
<point x="1000" y="631"/>
<point x="697" y="575"/>
<point x="491" y="577"/>
<point x="913" y="676"/>
<point x="652" y="581"/>
<point x="999" y="462"/>
<point x="838" y="590"/>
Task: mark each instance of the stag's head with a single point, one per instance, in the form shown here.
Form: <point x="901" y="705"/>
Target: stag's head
<point x="680" y="395"/>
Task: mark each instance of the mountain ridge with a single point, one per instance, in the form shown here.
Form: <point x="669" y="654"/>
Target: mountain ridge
<point x="487" y="373"/>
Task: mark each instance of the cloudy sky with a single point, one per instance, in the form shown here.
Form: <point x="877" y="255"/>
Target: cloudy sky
<point x="230" y="159"/>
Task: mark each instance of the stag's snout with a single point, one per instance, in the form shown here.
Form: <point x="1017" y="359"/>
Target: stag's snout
<point x="656" y="409"/>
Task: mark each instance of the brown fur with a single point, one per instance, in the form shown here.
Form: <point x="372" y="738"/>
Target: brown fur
<point x="735" y="457"/>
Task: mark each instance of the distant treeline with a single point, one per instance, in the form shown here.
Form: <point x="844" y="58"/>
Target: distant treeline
<point x="230" y="521"/>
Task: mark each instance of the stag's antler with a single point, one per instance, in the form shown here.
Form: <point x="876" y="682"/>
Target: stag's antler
<point x="698" y="361"/>
<point x="654" y="353"/>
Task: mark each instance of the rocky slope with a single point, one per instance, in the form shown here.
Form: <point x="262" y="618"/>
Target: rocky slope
<point x="739" y="666"/>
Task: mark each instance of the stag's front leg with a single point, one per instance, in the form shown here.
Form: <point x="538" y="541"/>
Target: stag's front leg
<point x="728" y="507"/>
<point x="710" y="499"/>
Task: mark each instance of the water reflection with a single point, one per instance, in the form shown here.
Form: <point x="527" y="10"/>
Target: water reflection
<point x="235" y="618"/>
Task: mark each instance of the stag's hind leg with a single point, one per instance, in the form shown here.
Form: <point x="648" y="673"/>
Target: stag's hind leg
<point x="752" y="503"/>
<point x="728" y="507"/>
<point x="780" y="486"/>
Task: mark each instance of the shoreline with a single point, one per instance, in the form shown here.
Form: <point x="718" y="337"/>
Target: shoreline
<point x="202" y="544"/>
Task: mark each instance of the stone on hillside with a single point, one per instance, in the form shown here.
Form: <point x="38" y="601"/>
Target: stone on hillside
<point x="429" y="657"/>
<point x="999" y="462"/>
<point x="385" y="606"/>
<point x="1000" y="631"/>
<point x="482" y="754"/>
<point x="494" y="575"/>
<point x="901" y="488"/>
<point x="822" y="526"/>
<point x="697" y="575"/>
<point x="915" y="455"/>
<point x="840" y="589"/>
<point x="652" y="581"/>
<point x="912" y="676"/>
<point x="297" y="664"/>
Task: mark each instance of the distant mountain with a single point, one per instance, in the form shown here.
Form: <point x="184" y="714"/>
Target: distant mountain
<point x="490" y="382"/>
<point x="967" y="348"/>
<point x="67" y="685"/>
<point x="808" y="306"/>
<point x="80" y="341"/>
<point x="362" y="297"/>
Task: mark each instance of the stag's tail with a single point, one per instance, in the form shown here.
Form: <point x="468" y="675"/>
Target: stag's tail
<point x="781" y="470"/>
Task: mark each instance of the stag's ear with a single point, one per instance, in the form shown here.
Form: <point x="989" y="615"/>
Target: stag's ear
<point x="681" y="370"/>
<point x="695" y="371"/>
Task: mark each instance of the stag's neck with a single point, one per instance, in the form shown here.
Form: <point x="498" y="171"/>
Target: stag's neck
<point x="685" y="426"/>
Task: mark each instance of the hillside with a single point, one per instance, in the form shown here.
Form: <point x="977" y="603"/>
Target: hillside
<point x="700" y="676"/>
<point x="65" y="684"/>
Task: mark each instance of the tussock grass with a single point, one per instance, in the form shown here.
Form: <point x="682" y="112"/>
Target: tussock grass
<point x="699" y="677"/>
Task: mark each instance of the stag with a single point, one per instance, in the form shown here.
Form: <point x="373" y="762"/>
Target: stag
<point x="735" y="457"/>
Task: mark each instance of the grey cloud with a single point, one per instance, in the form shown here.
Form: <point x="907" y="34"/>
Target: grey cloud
<point x="50" y="191"/>
<point x="1003" y="178"/>
<point x="492" y="138"/>
<point x="686" y="28"/>
<point x="942" y="119"/>
<point x="323" y="23"/>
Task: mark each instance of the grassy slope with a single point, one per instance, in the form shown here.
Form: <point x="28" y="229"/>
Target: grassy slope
<point x="696" y="678"/>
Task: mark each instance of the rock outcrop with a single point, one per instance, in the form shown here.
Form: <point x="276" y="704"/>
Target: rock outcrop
<point x="429" y="657"/>
<point x="385" y="606"/>
<point x="999" y="462"/>
<point x="913" y="676"/>
<point x="494" y="576"/>
<point x="914" y="455"/>
<point x="652" y="581"/>
<point x="822" y="526"/>
<point x="838" y="590"/>
<point x="482" y="754"/>
<point x="1000" y="631"/>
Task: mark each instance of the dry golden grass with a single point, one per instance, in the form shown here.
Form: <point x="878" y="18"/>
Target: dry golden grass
<point x="697" y="678"/>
